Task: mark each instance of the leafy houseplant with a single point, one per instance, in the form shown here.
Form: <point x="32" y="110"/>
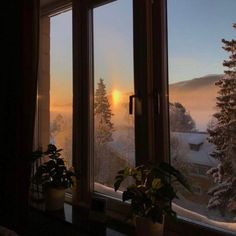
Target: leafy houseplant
<point x="152" y="191"/>
<point x="54" y="177"/>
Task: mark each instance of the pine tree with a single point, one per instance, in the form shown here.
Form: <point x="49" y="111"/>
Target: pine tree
<point x="57" y="125"/>
<point x="103" y="133"/>
<point x="180" y="119"/>
<point x="103" y="115"/>
<point x="223" y="136"/>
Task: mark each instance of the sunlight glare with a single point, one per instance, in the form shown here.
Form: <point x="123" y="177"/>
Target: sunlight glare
<point x="116" y="97"/>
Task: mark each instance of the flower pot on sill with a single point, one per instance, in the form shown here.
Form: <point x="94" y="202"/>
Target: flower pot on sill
<point x="145" y="226"/>
<point x="54" y="199"/>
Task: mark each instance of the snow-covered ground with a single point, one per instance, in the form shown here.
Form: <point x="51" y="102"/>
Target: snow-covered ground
<point x="187" y="214"/>
<point x="194" y="217"/>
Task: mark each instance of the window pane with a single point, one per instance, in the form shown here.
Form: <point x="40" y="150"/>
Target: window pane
<point x="195" y="31"/>
<point x="113" y="84"/>
<point x="61" y="83"/>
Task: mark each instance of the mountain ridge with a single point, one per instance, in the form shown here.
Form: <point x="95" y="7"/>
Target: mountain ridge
<point x="198" y="82"/>
<point x="198" y="96"/>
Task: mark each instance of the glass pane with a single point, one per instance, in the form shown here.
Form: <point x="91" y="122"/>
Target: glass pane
<point x="195" y="32"/>
<point x="113" y="84"/>
<point x="61" y="84"/>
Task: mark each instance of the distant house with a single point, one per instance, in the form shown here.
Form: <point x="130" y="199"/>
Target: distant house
<point x="196" y="147"/>
<point x="195" y="141"/>
<point x="194" y="151"/>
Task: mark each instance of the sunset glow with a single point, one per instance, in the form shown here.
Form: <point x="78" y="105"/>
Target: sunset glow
<point x="116" y="97"/>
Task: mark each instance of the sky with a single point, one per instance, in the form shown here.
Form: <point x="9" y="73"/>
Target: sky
<point x="61" y="59"/>
<point x="113" y="50"/>
<point x="195" y="30"/>
<point x="113" y="45"/>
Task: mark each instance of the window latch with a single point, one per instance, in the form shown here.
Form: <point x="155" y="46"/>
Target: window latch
<point x="131" y="98"/>
<point x="131" y="103"/>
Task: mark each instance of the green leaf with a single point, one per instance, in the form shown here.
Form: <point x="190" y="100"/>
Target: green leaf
<point x="117" y="184"/>
<point x="127" y="195"/>
<point x="156" y="183"/>
<point x="139" y="176"/>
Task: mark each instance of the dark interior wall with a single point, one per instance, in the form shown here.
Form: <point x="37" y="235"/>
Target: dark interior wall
<point x="18" y="100"/>
<point x="10" y="70"/>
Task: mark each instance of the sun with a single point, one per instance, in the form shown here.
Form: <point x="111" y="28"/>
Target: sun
<point x="116" y="96"/>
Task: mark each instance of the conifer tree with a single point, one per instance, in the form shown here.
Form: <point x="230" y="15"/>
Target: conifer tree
<point x="180" y="119"/>
<point x="223" y="136"/>
<point x="103" y="115"/>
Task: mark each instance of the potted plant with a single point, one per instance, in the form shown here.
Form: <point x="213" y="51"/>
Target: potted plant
<point x="150" y="195"/>
<point x="54" y="177"/>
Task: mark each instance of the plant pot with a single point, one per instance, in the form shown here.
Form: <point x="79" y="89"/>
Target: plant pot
<point x="145" y="227"/>
<point x="54" y="199"/>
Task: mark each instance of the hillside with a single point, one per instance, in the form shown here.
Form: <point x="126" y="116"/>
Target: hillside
<point x="198" y="96"/>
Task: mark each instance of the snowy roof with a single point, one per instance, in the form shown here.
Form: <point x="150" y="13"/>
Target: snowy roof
<point x="202" y="156"/>
<point x="123" y="144"/>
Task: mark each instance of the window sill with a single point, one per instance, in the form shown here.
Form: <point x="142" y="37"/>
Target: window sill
<point x="196" y="224"/>
<point x="119" y="210"/>
<point x="86" y="221"/>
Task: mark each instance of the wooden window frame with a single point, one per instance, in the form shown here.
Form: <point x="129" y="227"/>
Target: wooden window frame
<point x="150" y="62"/>
<point x="160" y="78"/>
<point x="83" y="87"/>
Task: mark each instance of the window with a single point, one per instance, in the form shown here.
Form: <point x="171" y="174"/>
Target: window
<point x="196" y="190"/>
<point x="199" y="169"/>
<point x="195" y="57"/>
<point x="114" y="141"/>
<point x="61" y="84"/>
<point x="55" y="84"/>
<point x="195" y="147"/>
<point x="116" y="75"/>
<point x="120" y="54"/>
<point x="88" y="116"/>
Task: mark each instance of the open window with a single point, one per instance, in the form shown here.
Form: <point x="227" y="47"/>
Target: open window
<point x="195" y="58"/>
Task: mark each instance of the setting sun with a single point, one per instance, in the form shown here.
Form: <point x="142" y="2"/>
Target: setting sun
<point x="116" y="97"/>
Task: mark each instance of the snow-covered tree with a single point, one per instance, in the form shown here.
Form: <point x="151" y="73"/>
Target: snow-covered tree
<point x="57" y="125"/>
<point x="180" y="119"/>
<point x="103" y="115"/>
<point x="223" y="136"/>
<point x="179" y="154"/>
<point x="103" y="134"/>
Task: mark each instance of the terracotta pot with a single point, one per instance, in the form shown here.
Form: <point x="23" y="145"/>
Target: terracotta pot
<point x="54" y="198"/>
<point x="145" y="227"/>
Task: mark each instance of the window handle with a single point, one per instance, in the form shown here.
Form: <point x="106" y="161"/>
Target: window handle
<point x="131" y="104"/>
<point x="131" y="99"/>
